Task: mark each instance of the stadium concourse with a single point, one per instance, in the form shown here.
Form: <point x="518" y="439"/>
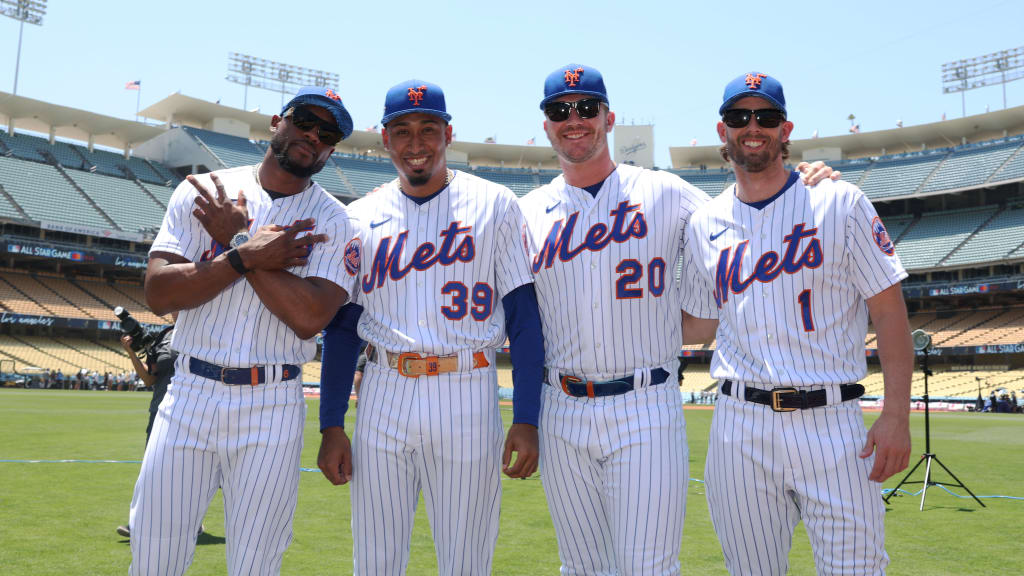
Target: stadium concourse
<point x="82" y="195"/>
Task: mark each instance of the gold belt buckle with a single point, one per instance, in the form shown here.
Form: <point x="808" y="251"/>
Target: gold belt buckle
<point x="433" y="365"/>
<point x="777" y="399"/>
<point x="403" y="363"/>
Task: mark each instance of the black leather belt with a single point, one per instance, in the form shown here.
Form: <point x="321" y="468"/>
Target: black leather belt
<point x="581" y="388"/>
<point x="237" y="376"/>
<point x="788" y="399"/>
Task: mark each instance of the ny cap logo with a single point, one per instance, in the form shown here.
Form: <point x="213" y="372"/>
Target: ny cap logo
<point x="754" y="80"/>
<point x="332" y="95"/>
<point x="573" y="76"/>
<point x="416" y="94"/>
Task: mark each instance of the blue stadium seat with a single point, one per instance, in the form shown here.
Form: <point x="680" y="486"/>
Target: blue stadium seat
<point x="995" y="241"/>
<point x="232" y="151"/>
<point x="45" y="195"/>
<point x="365" y="174"/>
<point x="126" y="204"/>
<point x="935" y="235"/>
<point x="970" y="166"/>
<point x="899" y="176"/>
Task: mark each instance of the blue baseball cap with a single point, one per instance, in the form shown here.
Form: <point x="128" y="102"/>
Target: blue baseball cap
<point x="327" y="99"/>
<point x="574" y="79"/>
<point x="753" y="84"/>
<point x="414" y="96"/>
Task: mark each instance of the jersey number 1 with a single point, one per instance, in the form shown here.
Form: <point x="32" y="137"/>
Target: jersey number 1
<point x="805" y="310"/>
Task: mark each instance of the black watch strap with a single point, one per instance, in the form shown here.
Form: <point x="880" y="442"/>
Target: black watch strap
<point x="235" y="259"/>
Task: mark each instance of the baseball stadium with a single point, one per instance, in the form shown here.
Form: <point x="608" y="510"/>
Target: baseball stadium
<point x="83" y="196"/>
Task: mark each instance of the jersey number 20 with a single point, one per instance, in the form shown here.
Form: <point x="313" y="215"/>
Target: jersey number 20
<point x="627" y="286"/>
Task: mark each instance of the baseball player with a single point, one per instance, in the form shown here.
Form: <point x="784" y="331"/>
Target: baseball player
<point x="792" y="274"/>
<point x="604" y="242"/>
<point x="257" y="260"/>
<point x="444" y="278"/>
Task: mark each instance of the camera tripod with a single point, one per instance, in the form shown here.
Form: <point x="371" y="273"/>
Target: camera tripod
<point x="928" y="455"/>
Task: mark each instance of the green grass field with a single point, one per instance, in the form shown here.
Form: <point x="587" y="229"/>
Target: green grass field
<point x="60" y="518"/>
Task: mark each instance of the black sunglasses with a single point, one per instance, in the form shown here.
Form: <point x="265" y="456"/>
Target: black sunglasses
<point x="766" y="117"/>
<point x="559" y="111"/>
<point x="305" y="120"/>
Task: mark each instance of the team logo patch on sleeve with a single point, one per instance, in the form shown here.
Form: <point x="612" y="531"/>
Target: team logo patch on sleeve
<point x="882" y="237"/>
<point x="353" y="256"/>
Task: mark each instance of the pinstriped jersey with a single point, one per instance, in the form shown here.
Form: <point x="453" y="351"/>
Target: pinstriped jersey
<point x="433" y="274"/>
<point x="604" y="268"/>
<point x="789" y="282"/>
<point x="235" y="328"/>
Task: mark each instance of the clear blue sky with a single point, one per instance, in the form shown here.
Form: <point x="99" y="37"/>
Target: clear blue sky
<point x="664" y="63"/>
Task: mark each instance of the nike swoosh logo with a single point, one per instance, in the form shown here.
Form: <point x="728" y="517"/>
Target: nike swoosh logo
<point x="552" y="207"/>
<point x="381" y="223"/>
<point x="715" y="236"/>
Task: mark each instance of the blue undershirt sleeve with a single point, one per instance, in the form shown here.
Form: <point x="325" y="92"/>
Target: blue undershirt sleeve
<point x="526" y="343"/>
<point x="340" y="352"/>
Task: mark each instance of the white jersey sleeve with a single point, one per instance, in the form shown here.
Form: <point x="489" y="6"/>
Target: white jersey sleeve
<point x="512" y="263"/>
<point x="698" y="289"/>
<point x="180" y="233"/>
<point x="873" y="263"/>
<point x="338" y="259"/>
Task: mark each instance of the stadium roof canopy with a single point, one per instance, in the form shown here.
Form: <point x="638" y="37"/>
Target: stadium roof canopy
<point x="71" y="123"/>
<point x="181" y="109"/>
<point x="944" y="134"/>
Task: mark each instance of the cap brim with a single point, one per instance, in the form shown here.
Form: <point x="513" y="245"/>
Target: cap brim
<point x="341" y="116"/>
<point x="553" y="97"/>
<point x="442" y="115"/>
<point x="725" y="106"/>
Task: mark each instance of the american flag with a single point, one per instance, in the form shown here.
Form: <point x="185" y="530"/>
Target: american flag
<point x="133" y="85"/>
<point x="531" y="141"/>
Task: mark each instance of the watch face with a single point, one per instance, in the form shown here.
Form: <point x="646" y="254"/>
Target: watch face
<point x="239" y="239"/>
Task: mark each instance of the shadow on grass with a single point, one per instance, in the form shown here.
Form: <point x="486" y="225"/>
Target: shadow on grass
<point x="205" y="539"/>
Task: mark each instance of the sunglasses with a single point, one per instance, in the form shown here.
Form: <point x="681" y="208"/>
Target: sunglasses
<point x="305" y="120"/>
<point x="766" y="117"/>
<point x="559" y="111"/>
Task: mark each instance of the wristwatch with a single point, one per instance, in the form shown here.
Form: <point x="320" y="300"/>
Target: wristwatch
<point x="239" y="239"/>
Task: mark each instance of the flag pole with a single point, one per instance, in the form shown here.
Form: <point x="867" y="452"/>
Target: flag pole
<point x="138" y="98"/>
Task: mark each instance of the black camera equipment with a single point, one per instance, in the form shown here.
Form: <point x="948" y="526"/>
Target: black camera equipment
<point x="922" y="343"/>
<point x="141" y="340"/>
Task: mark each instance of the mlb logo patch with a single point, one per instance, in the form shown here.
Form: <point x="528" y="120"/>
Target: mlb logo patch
<point x="881" y="236"/>
<point x="353" y="256"/>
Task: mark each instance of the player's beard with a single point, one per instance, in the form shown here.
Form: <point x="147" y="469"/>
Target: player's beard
<point x="754" y="160"/>
<point x="417" y="180"/>
<point x="570" y="151"/>
<point x="280" y="146"/>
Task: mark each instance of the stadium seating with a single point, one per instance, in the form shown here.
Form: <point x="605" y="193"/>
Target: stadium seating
<point x="18" y="302"/>
<point x="1006" y="328"/>
<point x="712" y="182"/>
<point x="929" y="240"/>
<point x="994" y="241"/>
<point x="896" y="225"/>
<point x="44" y="194"/>
<point x="330" y="179"/>
<point x="126" y="204"/>
<point x="24" y="146"/>
<point x="161" y="193"/>
<point x="970" y="166"/>
<point x="853" y="172"/>
<point x="68" y="156"/>
<point x="111" y="297"/>
<point x="7" y="210"/>
<point x="520" y="182"/>
<point x="899" y="176"/>
<point x="1013" y="169"/>
<point x="232" y="151"/>
<point x="365" y="175"/>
